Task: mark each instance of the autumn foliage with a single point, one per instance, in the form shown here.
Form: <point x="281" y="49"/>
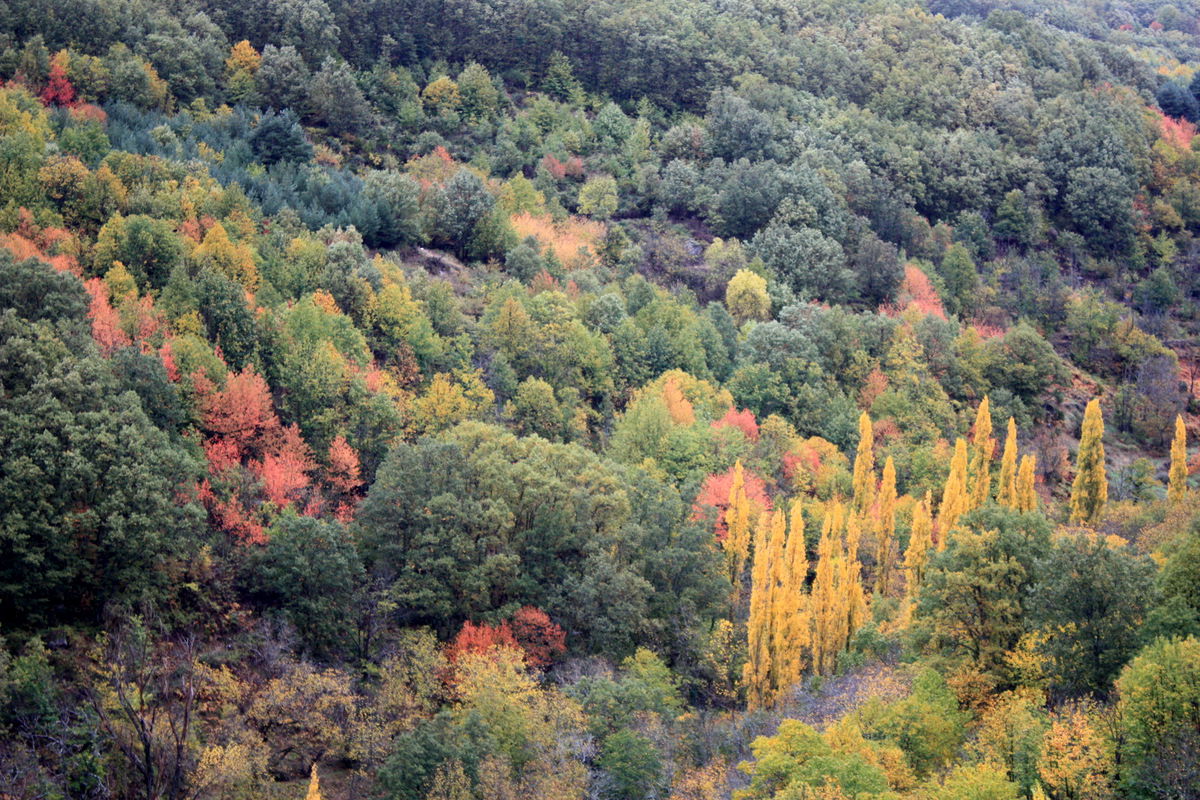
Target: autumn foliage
<point x="529" y="630"/>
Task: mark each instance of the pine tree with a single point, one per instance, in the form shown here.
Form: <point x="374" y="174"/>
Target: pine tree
<point x="314" y="785"/>
<point x="1089" y="491"/>
<point x="737" y="522"/>
<point x="920" y="540"/>
<point x="981" y="464"/>
<point x="1177" y="478"/>
<point x="864" y="466"/>
<point x="886" y="529"/>
<point x="756" y="675"/>
<point x="1006" y="495"/>
<point x="1026" y="494"/>
<point x="954" y="496"/>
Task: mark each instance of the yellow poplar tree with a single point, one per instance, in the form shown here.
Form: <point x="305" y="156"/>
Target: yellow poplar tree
<point x="954" y="495"/>
<point x="825" y="602"/>
<point x="1177" y="478"/>
<point x="853" y="597"/>
<point x="737" y="522"/>
<point x="1089" y="491"/>
<point x="777" y="602"/>
<point x="886" y="530"/>
<point x="314" y="785"/>
<point x="795" y="615"/>
<point x="1006" y="494"/>
<point x="1026" y="497"/>
<point x="981" y="466"/>
<point x="757" y="673"/>
<point x="864" y="466"/>
<point x="919" y="543"/>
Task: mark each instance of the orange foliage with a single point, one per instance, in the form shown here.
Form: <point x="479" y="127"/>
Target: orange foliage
<point x="916" y="292"/>
<point x="678" y="406"/>
<point x="480" y="638"/>
<point x="106" y="323"/>
<point x="564" y="239"/>
<point x="86" y="112"/>
<point x="345" y="470"/>
<point x="743" y="420"/>
<point x="542" y="640"/>
<point x="242" y="411"/>
<point x="530" y="631"/>
<point x="284" y="472"/>
<point x="875" y="385"/>
<point x="714" y="494"/>
<point x="168" y="359"/>
<point x="45" y="244"/>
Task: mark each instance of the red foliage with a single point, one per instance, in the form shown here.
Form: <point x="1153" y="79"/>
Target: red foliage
<point x="222" y="455"/>
<point x="232" y="517"/>
<point x="31" y="241"/>
<point x="168" y="360"/>
<point x="106" y="323"/>
<point x="714" y="494"/>
<point x="916" y="292"/>
<point x="542" y="640"/>
<point x="743" y="420"/>
<point x="58" y="91"/>
<point x="479" y="639"/>
<point x="543" y="282"/>
<point x="284" y="472"/>
<point x="555" y="167"/>
<point x="345" y="470"/>
<point x="530" y="631"/>
<point x="1156" y="26"/>
<point x="1177" y="132"/>
<point x="242" y="411"/>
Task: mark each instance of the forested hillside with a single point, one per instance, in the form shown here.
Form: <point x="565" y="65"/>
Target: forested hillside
<point x="599" y="400"/>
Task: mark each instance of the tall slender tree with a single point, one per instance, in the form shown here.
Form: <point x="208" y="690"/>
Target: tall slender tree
<point x="795" y="618"/>
<point x="981" y="463"/>
<point x="737" y="524"/>
<point x="955" y="501"/>
<point x="827" y="605"/>
<point x="1026" y="496"/>
<point x="864" y="466"/>
<point x="886" y="527"/>
<point x="920" y="541"/>
<point x="1177" y="478"/>
<point x="1006" y="493"/>
<point x="1089" y="491"/>
<point x="756" y="675"/>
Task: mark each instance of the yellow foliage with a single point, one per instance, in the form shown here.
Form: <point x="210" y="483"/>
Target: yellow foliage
<point x="885" y="530"/>
<point x="678" y="406"/>
<point x="1077" y="759"/>
<point x="573" y="241"/>
<point x="955" y="501"/>
<point x="447" y="402"/>
<point x="981" y="476"/>
<point x="1006" y="493"/>
<point x="746" y="297"/>
<point x="864" y="466"/>
<point x="243" y="58"/>
<point x="1177" y="479"/>
<point x="441" y="95"/>
<point x="234" y="259"/>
